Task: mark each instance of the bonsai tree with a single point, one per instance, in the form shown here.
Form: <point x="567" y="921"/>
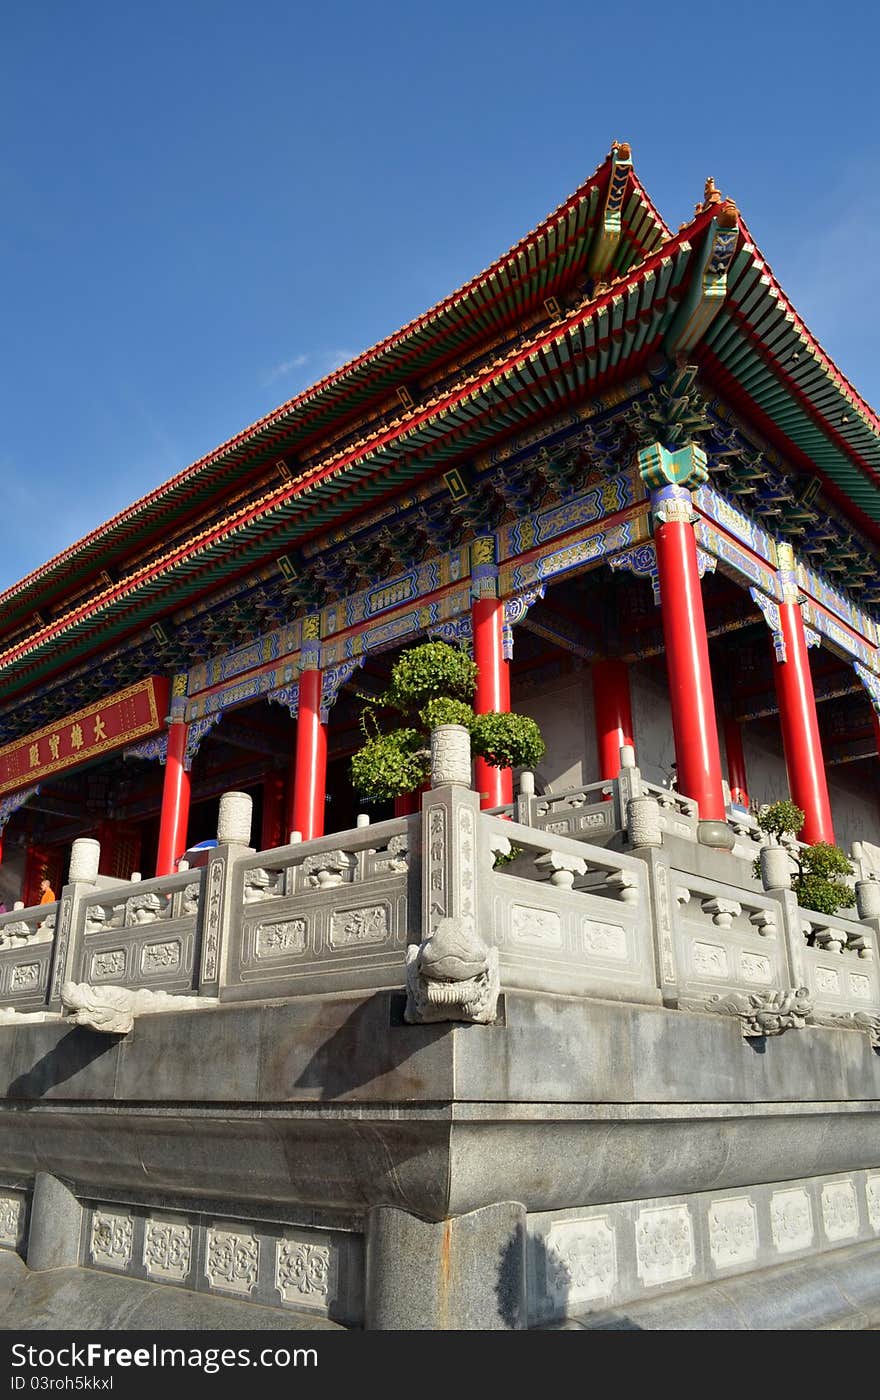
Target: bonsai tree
<point x="431" y="685"/>
<point x="820" y="882"/>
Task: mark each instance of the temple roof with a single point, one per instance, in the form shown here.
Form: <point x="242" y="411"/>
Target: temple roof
<point x="542" y="265"/>
<point x="597" y="293"/>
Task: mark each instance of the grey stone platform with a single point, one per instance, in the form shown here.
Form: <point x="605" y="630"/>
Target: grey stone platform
<point x="450" y="1071"/>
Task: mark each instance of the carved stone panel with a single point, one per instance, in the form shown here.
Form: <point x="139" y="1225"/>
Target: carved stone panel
<point x="860" y="986"/>
<point x="664" y="1245"/>
<point x="10" y="1220"/>
<point x="24" y="977"/>
<point x="160" y="957"/>
<point x="872" y="1191"/>
<point x="581" y="1262"/>
<point x="286" y="937"/>
<point x="110" y="1242"/>
<point x="539" y="928"/>
<point x="828" y="981"/>
<point x="109" y="964"/>
<point x="167" y="1250"/>
<point x="466" y="868"/>
<point x="709" y="960"/>
<point x="354" y="927"/>
<point x="604" y="940"/>
<point x="733" y="1232"/>
<point x="213" y="918"/>
<point x="233" y="1261"/>
<point x="791" y="1220"/>
<point x="437" y="893"/>
<point x="840" y="1210"/>
<point x="755" y="968"/>
<point x="303" y="1272"/>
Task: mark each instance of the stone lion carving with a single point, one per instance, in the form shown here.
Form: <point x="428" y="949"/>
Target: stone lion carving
<point x="113" y="1009"/>
<point x="452" y="976"/>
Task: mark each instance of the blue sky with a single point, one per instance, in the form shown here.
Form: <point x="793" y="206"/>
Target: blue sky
<point x="209" y="205"/>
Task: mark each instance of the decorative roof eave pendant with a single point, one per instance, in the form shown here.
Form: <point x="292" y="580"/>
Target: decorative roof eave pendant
<point x="708" y="287"/>
<point x="610" y="225"/>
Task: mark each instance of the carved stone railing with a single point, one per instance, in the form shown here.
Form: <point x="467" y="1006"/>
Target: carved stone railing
<point x="714" y="938"/>
<point x="838" y="957"/>
<point x="139" y="934"/>
<point x="679" y="815"/>
<point x="565" y="916"/>
<point x="26" y="948"/>
<point x="458" y="904"/>
<point x="590" y="812"/>
<point x="325" y="915"/>
<point x="597" y="811"/>
<point x="749" y="837"/>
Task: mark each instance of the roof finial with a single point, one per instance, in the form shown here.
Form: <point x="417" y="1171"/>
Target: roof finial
<point x="621" y="150"/>
<point x="711" y="195"/>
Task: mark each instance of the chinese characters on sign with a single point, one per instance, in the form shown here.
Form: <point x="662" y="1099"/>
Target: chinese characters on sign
<point x="110" y="724"/>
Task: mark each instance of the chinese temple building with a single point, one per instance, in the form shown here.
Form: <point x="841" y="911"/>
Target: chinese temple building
<point x="616" y="463"/>
<point x="578" y="1046"/>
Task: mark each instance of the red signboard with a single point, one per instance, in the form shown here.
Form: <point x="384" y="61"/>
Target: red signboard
<point x="96" y="730"/>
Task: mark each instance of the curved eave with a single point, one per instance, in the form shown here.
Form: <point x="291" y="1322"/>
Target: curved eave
<point x="515" y="286"/>
<point x="760" y="351"/>
<point x="604" y="341"/>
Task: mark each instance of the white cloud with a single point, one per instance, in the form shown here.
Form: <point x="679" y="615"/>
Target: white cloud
<point x="286" y="367"/>
<point x="320" y="362"/>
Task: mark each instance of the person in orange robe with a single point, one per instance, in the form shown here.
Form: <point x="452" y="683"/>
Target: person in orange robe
<point x="47" y="894"/>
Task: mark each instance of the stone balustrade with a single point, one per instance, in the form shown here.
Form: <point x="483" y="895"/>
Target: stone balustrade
<point x="521" y="889"/>
<point x="26" y="939"/>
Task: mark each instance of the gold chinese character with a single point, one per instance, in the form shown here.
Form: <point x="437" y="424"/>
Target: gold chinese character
<point x="35" y="755"/>
<point x="76" y="736"/>
<point x="100" y="731"/>
<point x="54" y="744"/>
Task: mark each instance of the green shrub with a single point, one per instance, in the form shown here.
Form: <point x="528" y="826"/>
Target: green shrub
<point x="425" y="672"/>
<point x="507" y="741"/>
<point x="431" y="685"/>
<point x="444" y="710"/>
<point x="780" y="818"/>
<point x="820" y="884"/>
<point x="390" y="765"/>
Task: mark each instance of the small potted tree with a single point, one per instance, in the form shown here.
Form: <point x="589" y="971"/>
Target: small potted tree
<point x="430" y="690"/>
<point x="821" y="869"/>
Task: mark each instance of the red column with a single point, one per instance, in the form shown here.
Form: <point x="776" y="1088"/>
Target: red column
<point x="175" y="802"/>
<point x="800" y="727"/>
<point x="697" y="756"/>
<point x="271" y="832"/>
<point x="613" y="714"/>
<point x="875" y="721"/>
<point x="736" y="762"/>
<point x="495" y="785"/>
<point x="310" y="776"/>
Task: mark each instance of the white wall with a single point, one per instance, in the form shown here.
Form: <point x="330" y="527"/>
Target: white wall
<point x="564" y="712"/>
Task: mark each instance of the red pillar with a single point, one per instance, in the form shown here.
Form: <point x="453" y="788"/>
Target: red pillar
<point x="310" y="775"/>
<point x="800" y="727"/>
<point x="495" y="785"/>
<point x="613" y="714"/>
<point x="271" y="831"/>
<point x="697" y="756"/>
<point x="875" y="721"/>
<point x="175" y="802"/>
<point x="736" y="762"/>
